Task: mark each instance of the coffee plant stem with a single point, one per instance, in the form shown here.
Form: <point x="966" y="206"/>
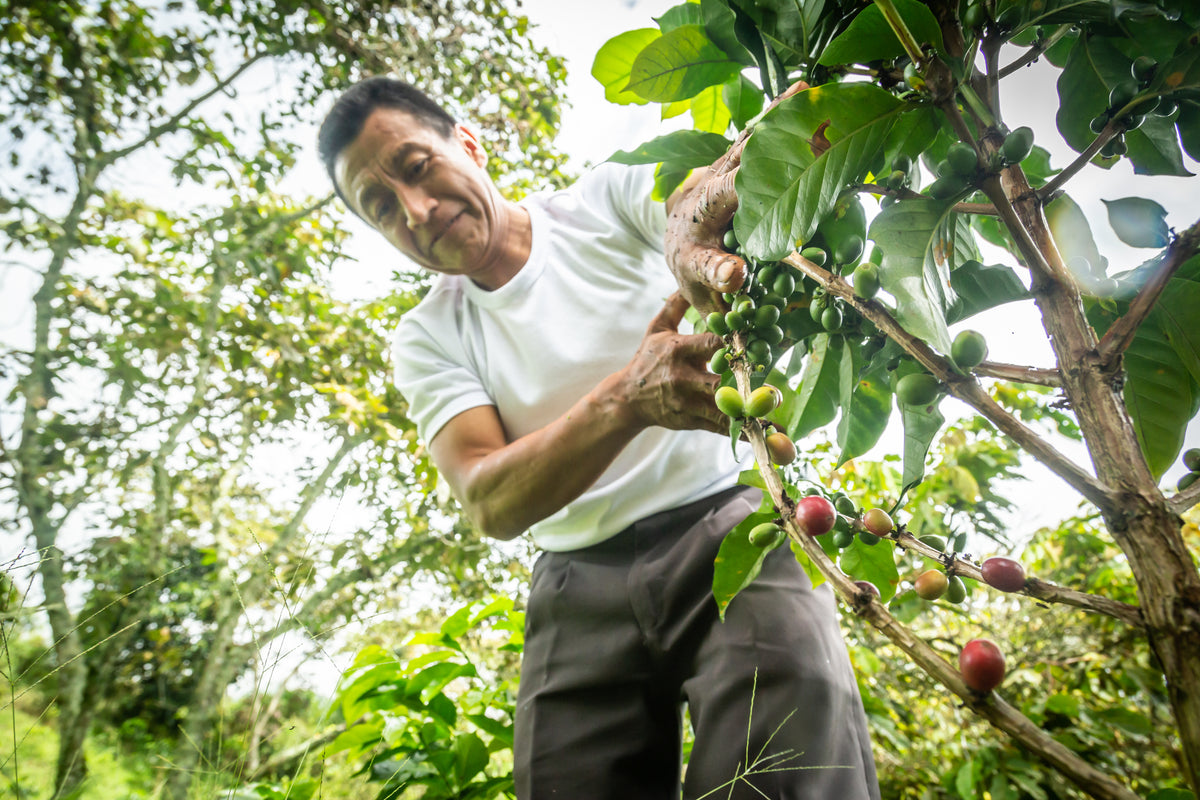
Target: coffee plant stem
<point x="1019" y="374"/>
<point x="1120" y="335"/>
<point x="1047" y="192"/>
<point x="1034" y="588"/>
<point x="1035" y="52"/>
<point x="989" y="706"/>
<point x="896" y="22"/>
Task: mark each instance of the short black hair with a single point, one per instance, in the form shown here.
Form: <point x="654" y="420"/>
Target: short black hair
<point x="345" y="120"/>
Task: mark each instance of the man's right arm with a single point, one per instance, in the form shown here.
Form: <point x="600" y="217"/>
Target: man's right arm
<point x="507" y="486"/>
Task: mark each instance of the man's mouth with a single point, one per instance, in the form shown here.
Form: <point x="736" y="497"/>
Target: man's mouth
<point x="442" y="231"/>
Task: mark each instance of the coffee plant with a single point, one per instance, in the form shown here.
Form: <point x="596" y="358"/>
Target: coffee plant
<point x="844" y="318"/>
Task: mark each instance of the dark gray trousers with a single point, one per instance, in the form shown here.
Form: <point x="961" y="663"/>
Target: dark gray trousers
<point x="619" y="635"/>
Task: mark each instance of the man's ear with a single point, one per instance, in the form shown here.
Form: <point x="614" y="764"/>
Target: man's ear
<point x="471" y="144"/>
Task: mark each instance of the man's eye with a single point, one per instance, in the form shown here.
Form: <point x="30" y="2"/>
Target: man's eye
<point x="383" y="209"/>
<point x="416" y="168"/>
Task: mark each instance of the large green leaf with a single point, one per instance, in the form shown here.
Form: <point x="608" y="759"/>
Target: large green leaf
<point x="787" y="182"/>
<point x="709" y="112"/>
<point x="866" y="415"/>
<point x="743" y="99"/>
<point x="680" y="15"/>
<point x="1161" y="395"/>
<point x="1188" y="123"/>
<point x="921" y="241"/>
<point x="921" y="424"/>
<point x="819" y="393"/>
<point x="984" y="286"/>
<point x="1160" y="392"/>
<point x="869" y="37"/>
<point x="614" y="62"/>
<point x="681" y="149"/>
<point x="719" y="20"/>
<point x="678" y="65"/>
<point x="1138" y="222"/>
<point x="1176" y="309"/>
<point x="874" y="563"/>
<point x="795" y="30"/>
<point x="738" y="561"/>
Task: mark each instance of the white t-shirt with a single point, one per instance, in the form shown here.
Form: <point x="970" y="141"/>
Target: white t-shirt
<point x="574" y="314"/>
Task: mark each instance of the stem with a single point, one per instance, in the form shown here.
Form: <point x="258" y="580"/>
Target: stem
<point x="989" y="706"/>
<point x="1118" y="337"/>
<point x="962" y="208"/>
<point x="1186" y="499"/>
<point x="1019" y="374"/>
<point x="966" y="389"/>
<point x="173" y="121"/>
<point x="1035" y="52"/>
<point x="991" y="60"/>
<point x="1034" y="588"/>
<point x="896" y="23"/>
<point x="1047" y="192"/>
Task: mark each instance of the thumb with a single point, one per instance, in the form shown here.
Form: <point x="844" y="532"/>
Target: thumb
<point x="669" y="317"/>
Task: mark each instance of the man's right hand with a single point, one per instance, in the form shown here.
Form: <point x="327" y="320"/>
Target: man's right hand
<point x="667" y="382"/>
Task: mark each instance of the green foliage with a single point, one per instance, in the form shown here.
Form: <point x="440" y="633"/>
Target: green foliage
<point x="431" y="719"/>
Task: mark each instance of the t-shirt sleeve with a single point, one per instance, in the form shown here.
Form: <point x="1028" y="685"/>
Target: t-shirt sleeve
<point x="628" y="191"/>
<point x="437" y="386"/>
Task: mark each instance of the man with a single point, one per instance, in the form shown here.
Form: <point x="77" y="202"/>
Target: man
<point x="546" y="372"/>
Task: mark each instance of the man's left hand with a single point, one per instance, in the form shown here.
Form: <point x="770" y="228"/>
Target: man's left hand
<point x="699" y="214"/>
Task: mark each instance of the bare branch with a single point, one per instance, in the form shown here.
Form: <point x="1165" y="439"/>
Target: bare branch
<point x="989" y="706"/>
<point x="1034" y="587"/>
<point x="1120" y="335"/>
<point x="172" y="122"/>
<point x="1035" y="52"/>
<point x="966" y="389"/>
<point x="962" y="208"/>
<point x="1046" y="193"/>
<point x="1185" y="500"/>
<point x="1020" y="374"/>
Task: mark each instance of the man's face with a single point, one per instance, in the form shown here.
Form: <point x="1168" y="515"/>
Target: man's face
<point x="428" y="195"/>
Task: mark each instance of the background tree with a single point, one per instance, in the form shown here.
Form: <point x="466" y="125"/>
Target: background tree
<point x="898" y="85"/>
<point x="187" y="368"/>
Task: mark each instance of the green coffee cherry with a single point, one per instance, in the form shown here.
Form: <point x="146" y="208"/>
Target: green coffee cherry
<point x="963" y="161"/>
<point x="766" y="315"/>
<point x="768" y="535"/>
<point x="730" y="240"/>
<point x="815" y="254"/>
<point x="715" y="322"/>
<point x="762" y="401"/>
<point x="729" y="401"/>
<point x="956" y="590"/>
<point x="1017" y="145"/>
<point x="917" y="389"/>
<point x="849" y="250"/>
<point x="969" y="349"/>
<point x="866" y="280"/>
<point x="831" y="318"/>
<point x="719" y="363"/>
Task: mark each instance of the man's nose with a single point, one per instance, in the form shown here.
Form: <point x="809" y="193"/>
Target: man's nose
<point x="417" y="205"/>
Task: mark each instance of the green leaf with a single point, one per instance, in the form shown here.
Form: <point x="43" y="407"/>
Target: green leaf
<point x="921" y="425"/>
<point x="470" y="757"/>
<point x="614" y="63"/>
<point x="819" y="392"/>
<point x="738" y="562"/>
<point x="678" y="65"/>
<point x="912" y="133"/>
<point x="502" y="731"/>
<point x="1154" y="148"/>
<point x="680" y="15"/>
<point x="1072" y="232"/>
<point x="1127" y="720"/>
<point x="1188" y="123"/>
<point x="735" y="433"/>
<point x="1093" y="68"/>
<point x="1171" y="794"/>
<point x="719" y="21"/>
<point x="784" y="188"/>
<point x="743" y="99"/>
<point x="1065" y="704"/>
<point x="876" y="564"/>
<point x="866" y="416"/>
<point x="709" y="112"/>
<point x="815" y="576"/>
<point x="869" y="37"/>
<point x="922" y="240"/>
<point x="1138" y="222"/>
<point x="682" y="149"/>
<point x="1160" y="393"/>
<point x="984" y="286"/>
<point x="1176" y="310"/>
